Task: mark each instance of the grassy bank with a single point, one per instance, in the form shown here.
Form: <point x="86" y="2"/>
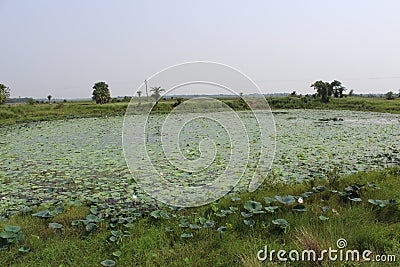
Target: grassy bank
<point x="349" y="103"/>
<point x="19" y="113"/>
<point x="227" y="235"/>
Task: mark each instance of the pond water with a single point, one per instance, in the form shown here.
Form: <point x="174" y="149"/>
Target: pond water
<point x="83" y="159"/>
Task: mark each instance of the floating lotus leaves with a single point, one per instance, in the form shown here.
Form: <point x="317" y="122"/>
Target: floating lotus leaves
<point x="108" y="263"/>
<point x="253" y="206"/>
<point x="323" y="218"/>
<point x="45" y="214"/>
<point x="286" y="200"/>
<point x="91" y="218"/>
<point x="24" y="249"/>
<point x="159" y="214"/>
<point x="186" y="235"/>
<point x="269" y="200"/>
<point x="319" y="188"/>
<point x="246" y="215"/>
<point x="209" y="224"/>
<point x="12" y="228"/>
<point x="194" y="226"/>
<point x="184" y="223"/>
<point x="249" y="222"/>
<point x="281" y="222"/>
<point x="10" y="234"/>
<point x="382" y="203"/>
<point x="307" y="194"/>
<point x="374" y="186"/>
<point x="91" y="227"/>
<point x="117" y="253"/>
<point x="67" y="168"/>
<point x="7" y="235"/>
<point x="272" y="209"/>
<point x="75" y="222"/>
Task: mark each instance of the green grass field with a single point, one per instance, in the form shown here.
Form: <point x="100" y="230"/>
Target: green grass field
<point x="362" y="224"/>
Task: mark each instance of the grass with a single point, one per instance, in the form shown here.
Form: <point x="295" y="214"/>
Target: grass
<point x="21" y="113"/>
<point x="374" y="104"/>
<point x="362" y="224"/>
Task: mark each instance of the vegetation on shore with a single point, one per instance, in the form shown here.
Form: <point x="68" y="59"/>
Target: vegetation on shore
<point x="20" y="113"/>
<point x="360" y="208"/>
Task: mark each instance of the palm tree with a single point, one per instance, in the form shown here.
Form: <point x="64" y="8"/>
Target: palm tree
<point x="139" y="93"/>
<point x="156" y="92"/>
<point x="49" y="98"/>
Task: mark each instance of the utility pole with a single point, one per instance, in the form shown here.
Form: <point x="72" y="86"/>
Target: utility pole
<point x="147" y="92"/>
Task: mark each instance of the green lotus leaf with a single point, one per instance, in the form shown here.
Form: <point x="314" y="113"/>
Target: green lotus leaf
<point x="117" y="253"/>
<point x="323" y="218"/>
<point x="281" y="222"/>
<point x="249" y="222"/>
<point x="252" y="206"/>
<point x="108" y="263"/>
<point x="186" y="235"/>
<point x="286" y="200"/>
<point x="269" y="200"/>
<point x="271" y="209"/>
<point x="24" y="249"/>
<point x="11" y="228"/>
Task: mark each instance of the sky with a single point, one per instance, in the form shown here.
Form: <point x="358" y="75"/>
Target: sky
<point x="63" y="47"/>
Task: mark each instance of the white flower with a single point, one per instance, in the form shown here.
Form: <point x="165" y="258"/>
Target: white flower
<point x="161" y="173"/>
<point x="300" y="200"/>
<point x="3" y="198"/>
<point x="134" y="197"/>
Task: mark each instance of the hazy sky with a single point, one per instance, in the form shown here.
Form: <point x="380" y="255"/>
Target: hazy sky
<point x="63" y="47"/>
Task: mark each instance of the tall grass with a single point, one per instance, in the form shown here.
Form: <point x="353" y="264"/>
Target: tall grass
<point x="362" y="224"/>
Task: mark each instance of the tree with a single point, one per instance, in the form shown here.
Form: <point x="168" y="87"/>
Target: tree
<point x="156" y="92"/>
<point x="351" y="93"/>
<point x="139" y="93"/>
<point x="389" y="95"/>
<point x="49" y="98"/>
<point x="4" y="93"/>
<point x="323" y="90"/>
<point x="337" y="89"/>
<point x="101" y="93"/>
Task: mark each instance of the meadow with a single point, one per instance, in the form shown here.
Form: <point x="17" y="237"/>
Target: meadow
<point x="67" y="197"/>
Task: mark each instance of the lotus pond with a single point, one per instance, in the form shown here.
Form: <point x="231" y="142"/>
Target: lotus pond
<point x="82" y="161"/>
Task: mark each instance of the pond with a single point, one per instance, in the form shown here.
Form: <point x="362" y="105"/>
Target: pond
<point x="83" y="159"/>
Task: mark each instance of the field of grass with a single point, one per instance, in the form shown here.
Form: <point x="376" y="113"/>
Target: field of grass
<point x="227" y="236"/>
<point x="374" y="104"/>
<point x="17" y="113"/>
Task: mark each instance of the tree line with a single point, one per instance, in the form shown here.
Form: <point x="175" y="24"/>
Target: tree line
<point x="101" y="92"/>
